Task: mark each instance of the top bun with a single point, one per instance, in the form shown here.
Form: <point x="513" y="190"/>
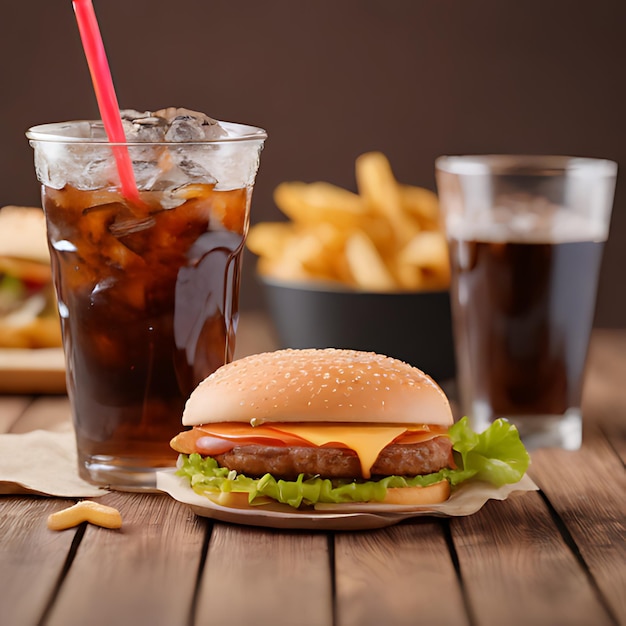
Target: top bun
<point x="23" y="234"/>
<point x="313" y="385"/>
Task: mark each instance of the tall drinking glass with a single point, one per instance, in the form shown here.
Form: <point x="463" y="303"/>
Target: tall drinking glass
<point x="526" y="235"/>
<point x="147" y="291"/>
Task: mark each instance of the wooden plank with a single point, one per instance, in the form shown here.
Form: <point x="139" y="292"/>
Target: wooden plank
<point x="144" y="573"/>
<point x="604" y="398"/>
<point x="256" y="576"/>
<point x="615" y="435"/>
<point x="399" y="575"/>
<point x="586" y="488"/>
<point x="517" y="569"/>
<point x="11" y="408"/>
<point x="604" y="394"/>
<point x="45" y="412"/>
<point x="32" y="557"/>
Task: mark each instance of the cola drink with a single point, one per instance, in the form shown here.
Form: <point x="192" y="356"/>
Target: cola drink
<point x="147" y="311"/>
<point x="524" y="311"/>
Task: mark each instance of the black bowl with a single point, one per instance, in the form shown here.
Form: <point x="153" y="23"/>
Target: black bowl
<point x="413" y="327"/>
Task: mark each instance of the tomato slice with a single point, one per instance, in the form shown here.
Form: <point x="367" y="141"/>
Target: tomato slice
<point x="244" y="433"/>
<point x="219" y="438"/>
<point x="419" y="436"/>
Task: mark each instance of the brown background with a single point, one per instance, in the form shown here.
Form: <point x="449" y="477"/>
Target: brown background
<point x="334" y="78"/>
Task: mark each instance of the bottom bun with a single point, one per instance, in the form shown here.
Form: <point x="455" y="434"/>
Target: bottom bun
<point x="433" y="494"/>
<point x="402" y="496"/>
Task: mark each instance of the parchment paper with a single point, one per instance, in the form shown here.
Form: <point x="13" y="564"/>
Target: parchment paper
<point x="467" y="499"/>
<point x="42" y="462"/>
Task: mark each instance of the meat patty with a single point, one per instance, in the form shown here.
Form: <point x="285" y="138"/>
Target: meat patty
<point x="288" y="462"/>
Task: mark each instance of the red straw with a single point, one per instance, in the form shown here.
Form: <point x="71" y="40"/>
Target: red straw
<point x="105" y="95"/>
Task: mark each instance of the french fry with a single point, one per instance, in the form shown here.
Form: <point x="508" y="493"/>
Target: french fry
<point x="429" y="252"/>
<point x="287" y="269"/>
<point x="268" y="239"/>
<point x="409" y="276"/>
<point x="422" y="203"/>
<point x="85" y="511"/>
<point x="319" y="202"/>
<point x="366" y="265"/>
<point x="309" y="250"/>
<point x="427" y="249"/>
<point x="378" y="186"/>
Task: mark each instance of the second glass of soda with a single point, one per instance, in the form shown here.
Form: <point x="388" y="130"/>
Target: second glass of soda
<point x="526" y="235"/>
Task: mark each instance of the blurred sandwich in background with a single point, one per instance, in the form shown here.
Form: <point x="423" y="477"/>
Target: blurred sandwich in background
<point x="28" y="310"/>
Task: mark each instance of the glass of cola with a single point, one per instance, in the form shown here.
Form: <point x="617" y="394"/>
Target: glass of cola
<point x="526" y="235"/>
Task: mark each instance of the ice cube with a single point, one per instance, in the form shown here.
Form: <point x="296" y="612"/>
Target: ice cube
<point x="192" y="162"/>
<point x="143" y="127"/>
<point x="146" y="173"/>
<point x="186" y="125"/>
<point x="132" y="114"/>
<point x="83" y="166"/>
<point x="126" y="224"/>
<point x="134" y="234"/>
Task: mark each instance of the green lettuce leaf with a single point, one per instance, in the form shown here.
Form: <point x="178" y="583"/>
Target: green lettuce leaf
<point x="497" y="456"/>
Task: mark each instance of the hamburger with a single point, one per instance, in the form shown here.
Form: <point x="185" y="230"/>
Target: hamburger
<point x="28" y="311"/>
<point x="301" y="427"/>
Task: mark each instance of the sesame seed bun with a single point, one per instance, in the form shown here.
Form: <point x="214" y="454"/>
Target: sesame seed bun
<point x="23" y="234"/>
<point x="313" y="385"/>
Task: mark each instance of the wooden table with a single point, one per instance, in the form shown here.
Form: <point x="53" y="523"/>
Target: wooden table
<point x="551" y="557"/>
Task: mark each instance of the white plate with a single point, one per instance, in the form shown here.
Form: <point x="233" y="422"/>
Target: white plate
<point x="468" y="499"/>
<point x="32" y="371"/>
